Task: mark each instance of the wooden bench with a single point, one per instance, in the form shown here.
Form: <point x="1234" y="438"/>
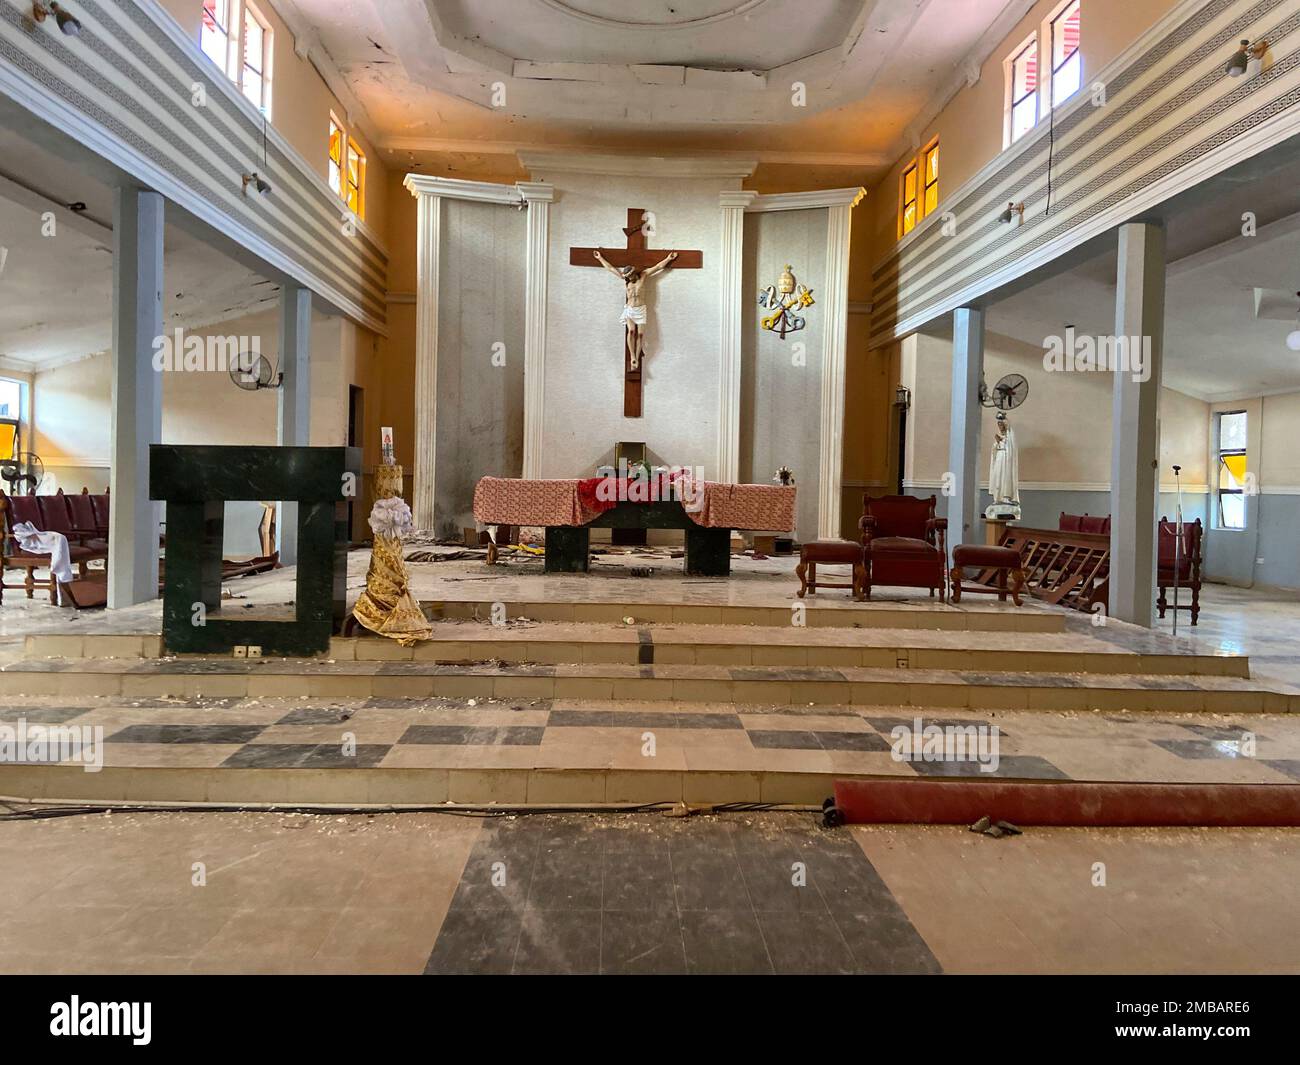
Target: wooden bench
<point x="29" y="508"/>
<point x="1064" y="568"/>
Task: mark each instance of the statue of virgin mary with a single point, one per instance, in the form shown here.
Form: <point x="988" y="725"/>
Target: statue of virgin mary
<point x="1004" y="474"/>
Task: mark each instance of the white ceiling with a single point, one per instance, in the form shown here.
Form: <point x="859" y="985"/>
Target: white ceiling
<point x="1218" y="344"/>
<point x="56" y="291"/>
<point x="425" y="77"/>
<point x="709" y="34"/>
<point x="1229" y="298"/>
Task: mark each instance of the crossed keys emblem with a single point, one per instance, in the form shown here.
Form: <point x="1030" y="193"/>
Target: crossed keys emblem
<point x="783" y="299"/>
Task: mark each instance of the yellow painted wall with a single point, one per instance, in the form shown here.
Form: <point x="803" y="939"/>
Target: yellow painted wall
<point x="71" y="402"/>
<point x="300" y="104"/>
<point x="970" y="127"/>
<point x="395" y="393"/>
<point x="1063" y="430"/>
<point x="1279" y="465"/>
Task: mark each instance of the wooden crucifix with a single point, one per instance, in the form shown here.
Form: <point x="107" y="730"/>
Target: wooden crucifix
<point x="633" y="264"/>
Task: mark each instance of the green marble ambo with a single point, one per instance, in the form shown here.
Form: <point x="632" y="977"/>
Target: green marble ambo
<point x="195" y="482"/>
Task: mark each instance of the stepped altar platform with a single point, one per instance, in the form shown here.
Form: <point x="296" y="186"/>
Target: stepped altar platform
<point x="576" y="690"/>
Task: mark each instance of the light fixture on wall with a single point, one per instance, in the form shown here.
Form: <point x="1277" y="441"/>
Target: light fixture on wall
<point x="258" y="182"/>
<point x="255" y="178"/>
<point x="1013" y="210"/>
<point x="1244" y="56"/>
<point x="68" y="23"/>
<point x="1293" y="337"/>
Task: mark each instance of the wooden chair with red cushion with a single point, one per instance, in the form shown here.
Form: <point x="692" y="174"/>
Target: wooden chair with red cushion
<point x="99" y="504"/>
<point x="56" y="516"/>
<point x="19" y="509"/>
<point x="83" y="520"/>
<point x="904" y="544"/>
<point x="1185" y="561"/>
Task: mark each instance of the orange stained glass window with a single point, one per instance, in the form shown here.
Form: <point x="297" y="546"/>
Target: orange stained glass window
<point x="931" y="178"/>
<point x="356" y="179"/>
<point x="1067" y="62"/>
<point x="1233" y="472"/>
<point x="909" y="199"/>
<point x="1233" y="475"/>
<point x="336" y="157"/>
<point x="254" y="69"/>
<point x="1024" y="90"/>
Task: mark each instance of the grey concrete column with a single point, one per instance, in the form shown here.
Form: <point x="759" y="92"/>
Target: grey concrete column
<point x="1135" y="427"/>
<point x="964" y="426"/>
<point x="293" y="422"/>
<point x="135" y="417"/>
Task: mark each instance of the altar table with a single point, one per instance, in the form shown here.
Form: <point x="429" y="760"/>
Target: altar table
<point x="569" y="509"/>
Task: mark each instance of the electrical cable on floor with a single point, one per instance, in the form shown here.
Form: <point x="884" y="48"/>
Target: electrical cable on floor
<point x="17" y="812"/>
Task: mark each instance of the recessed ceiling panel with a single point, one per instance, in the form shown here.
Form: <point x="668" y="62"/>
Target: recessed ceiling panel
<point x="718" y="34"/>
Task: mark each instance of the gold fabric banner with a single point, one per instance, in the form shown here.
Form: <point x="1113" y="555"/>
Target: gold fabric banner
<point x="386" y="606"/>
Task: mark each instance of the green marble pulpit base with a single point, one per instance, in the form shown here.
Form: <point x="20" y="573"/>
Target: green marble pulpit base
<point x="195" y="483"/>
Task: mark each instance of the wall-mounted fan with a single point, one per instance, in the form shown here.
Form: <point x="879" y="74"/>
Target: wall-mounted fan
<point x="23" y="473"/>
<point x="252" y="371"/>
<point x="1007" y="394"/>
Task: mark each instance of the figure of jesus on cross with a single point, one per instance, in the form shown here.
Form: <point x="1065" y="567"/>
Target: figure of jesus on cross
<point x="633" y="316"/>
<point x="632" y="265"/>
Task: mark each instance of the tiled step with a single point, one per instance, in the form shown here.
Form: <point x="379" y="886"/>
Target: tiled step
<point x="718" y="645"/>
<point x="554" y="643"/>
<point x="985" y="615"/>
<point x="542" y="752"/>
<point x="775" y="685"/>
<point x="383" y="787"/>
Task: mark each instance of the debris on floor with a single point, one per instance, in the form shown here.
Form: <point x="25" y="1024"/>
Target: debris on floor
<point x="986" y="826"/>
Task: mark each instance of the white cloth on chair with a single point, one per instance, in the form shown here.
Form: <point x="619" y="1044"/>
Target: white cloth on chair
<point x="54" y="544"/>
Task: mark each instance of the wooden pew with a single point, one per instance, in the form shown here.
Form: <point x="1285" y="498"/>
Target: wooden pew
<point x="1064" y="568"/>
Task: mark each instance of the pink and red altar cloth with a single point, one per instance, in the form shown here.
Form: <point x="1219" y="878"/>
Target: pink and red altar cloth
<point x="579" y="501"/>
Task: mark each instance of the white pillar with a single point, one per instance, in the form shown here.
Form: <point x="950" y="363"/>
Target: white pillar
<point x="731" y="293"/>
<point x="835" y="307"/>
<point x="293" y="420"/>
<point x="964" y="426"/>
<point x="135" y="417"/>
<point x="428" y="225"/>
<point x="538" y="196"/>
<point x="1135" y="427"/>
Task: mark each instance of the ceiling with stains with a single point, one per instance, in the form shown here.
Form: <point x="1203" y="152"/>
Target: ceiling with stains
<point x="835" y="84"/>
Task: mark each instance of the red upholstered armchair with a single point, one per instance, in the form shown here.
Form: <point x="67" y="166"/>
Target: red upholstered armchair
<point x="1185" y="559"/>
<point x="904" y="543"/>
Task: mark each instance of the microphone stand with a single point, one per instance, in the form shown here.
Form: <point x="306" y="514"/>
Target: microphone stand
<point x="1178" y="541"/>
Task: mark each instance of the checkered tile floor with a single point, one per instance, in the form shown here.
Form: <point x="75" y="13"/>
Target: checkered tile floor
<point x="411" y="733"/>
